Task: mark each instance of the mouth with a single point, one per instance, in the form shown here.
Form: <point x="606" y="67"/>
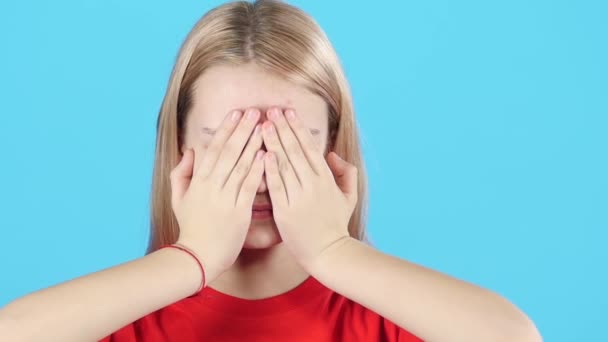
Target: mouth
<point x="261" y="212"/>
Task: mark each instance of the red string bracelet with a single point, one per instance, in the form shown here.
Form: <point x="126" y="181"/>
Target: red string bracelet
<point x="200" y="265"/>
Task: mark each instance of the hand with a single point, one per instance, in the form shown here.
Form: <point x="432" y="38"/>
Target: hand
<point x="312" y="199"/>
<point x="212" y="202"/>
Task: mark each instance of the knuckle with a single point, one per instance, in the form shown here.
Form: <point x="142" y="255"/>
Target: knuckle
<point x="243" y="127"/>
<point x="256" y="140"/>
<point x="283" y="166"/>
<point x="292" y="149"/>
<point x="229" y="149"/>
<point x="200" y="173"/>
<point x="274" y="187"/>
<point x="201" y="178"/>
<point x="213" y="149"/>
<point x="252" y="145"/>
<point x="240" y="168"/>
<point x="251" y="183"/>
<point x="225" y="129"/>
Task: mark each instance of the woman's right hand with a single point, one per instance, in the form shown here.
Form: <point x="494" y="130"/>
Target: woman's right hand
<point x="213" y="190"/>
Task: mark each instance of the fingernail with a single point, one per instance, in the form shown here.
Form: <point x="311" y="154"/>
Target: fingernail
<point x="273" y="113"/>
<point x="236" y="115"/>
<point x="290" y="114"/>
<point x="256" y="131"/>
<point x="268" y="127"/>
<point x="253" y="114"/>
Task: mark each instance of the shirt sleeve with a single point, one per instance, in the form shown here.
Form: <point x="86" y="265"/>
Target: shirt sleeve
<point x="125" y="334"/>
<point x="395" y="333"/>
<point x="159" y="326"/>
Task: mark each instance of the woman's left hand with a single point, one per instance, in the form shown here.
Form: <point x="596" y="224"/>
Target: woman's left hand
<point x="312" y="199"/>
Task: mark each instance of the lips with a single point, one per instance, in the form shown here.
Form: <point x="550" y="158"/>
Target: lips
<point x="262" y="207"/>
<point x="261" y="212"/>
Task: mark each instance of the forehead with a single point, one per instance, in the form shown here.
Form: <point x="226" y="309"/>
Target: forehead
<point x="223" y="88"/>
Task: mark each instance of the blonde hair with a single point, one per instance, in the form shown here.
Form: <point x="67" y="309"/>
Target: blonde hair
<point x="282" y="39"/>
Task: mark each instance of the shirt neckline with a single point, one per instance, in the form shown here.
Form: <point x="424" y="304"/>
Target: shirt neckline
<point x="281" y="303"/>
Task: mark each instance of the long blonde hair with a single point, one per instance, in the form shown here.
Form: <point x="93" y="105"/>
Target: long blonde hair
<point x="285" y="41"/>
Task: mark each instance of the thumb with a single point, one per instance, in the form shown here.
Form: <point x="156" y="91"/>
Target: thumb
<point x="181" y="176"/>
<point x="345" y="175"/>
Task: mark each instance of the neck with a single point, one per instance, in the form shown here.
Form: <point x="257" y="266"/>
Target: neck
<point x="261" y="273"/>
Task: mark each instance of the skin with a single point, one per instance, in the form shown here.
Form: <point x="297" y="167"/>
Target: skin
<point x="265" y="267"/>
<point x="313" y="195"/>
<point x="307" y="236"/>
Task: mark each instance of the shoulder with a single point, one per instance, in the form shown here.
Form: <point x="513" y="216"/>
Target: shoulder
<point x="172" y="320"/>
<point x="364" y="324"/>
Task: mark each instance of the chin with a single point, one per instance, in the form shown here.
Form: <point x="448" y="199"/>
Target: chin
<point x="261" y="235"/>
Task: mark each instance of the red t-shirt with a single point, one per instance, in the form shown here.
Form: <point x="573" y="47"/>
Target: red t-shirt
<point x="309" y="312"/>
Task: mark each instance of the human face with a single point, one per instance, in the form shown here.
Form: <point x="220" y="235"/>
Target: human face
<point x="221" y="89"/>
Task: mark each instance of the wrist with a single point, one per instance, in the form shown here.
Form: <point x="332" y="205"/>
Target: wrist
<point x="189" y="275"/>
<point x="316" y="265"/>
<point x="211" y="268"/>
<point x="196" y="258"/>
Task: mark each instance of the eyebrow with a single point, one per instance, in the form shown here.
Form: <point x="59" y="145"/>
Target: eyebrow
<point x="209" y="130"/>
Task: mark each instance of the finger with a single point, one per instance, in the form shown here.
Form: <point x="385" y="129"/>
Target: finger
<point x="345" y="175"/>
<point x="291" y="145"/>
<point x="210" y="156"/>
<point x="278" y="195"/>
<point x="250" y="184"/>
<point x="180" y="177"/>
<point x="313" y="153"/>
<point x="241" y="169"/>
<point x="285" y="170"/>
<point x="234" y="145"/>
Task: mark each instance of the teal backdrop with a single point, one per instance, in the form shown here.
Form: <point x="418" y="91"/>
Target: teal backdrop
<point x="484" y="128"/>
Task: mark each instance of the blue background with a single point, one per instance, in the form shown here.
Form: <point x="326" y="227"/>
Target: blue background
<point x="484" y="128"/>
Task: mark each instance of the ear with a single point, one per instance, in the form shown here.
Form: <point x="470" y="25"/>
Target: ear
<point x="331" y="142"/>
<point x="182" y="149"/>
<point x="332" y="136"/>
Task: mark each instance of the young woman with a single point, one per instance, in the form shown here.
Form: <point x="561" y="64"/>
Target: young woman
<point x="259" y="178"/>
